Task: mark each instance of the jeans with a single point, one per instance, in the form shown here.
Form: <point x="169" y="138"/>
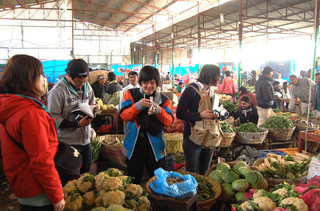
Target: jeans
<point x="197" y="158"/>
<point x="34" y="208"/>
<point x="86" y="153"/>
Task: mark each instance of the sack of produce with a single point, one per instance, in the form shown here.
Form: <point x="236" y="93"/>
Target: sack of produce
<point x="249" y="133"/>
<point x="280" y="128"/>
<point x="174" y="143"/>
<point x="228" y="134"/>
<point x="111" y="150"/>
<point x="173" y="184"/>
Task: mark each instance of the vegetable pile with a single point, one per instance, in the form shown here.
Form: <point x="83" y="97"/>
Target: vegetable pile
<point x="231" y="107"/>
<point x="102" y="106"/>
<point x="306" y="114"/>
<point x="283" y="195"/>
<point x="251" y="89"/>
<point x="303" y="122"/>
<point x="96" y="148"/>
<point x="204" y="189"/>
<point x="288" y="167"/>
<point x="248" y="127"/>
<point x="225" y="127"/>
<point x="109" y="189"/>
<point x="278" y="122"/>
<point x="235" y="182"/>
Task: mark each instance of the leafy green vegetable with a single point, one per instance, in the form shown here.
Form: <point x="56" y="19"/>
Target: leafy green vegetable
<point x="248" y="127"/>
<point x="225" y="127"/>
<point x="240" y="185"/>
<point x="239" y="164"/>
<point x="240" y="197"/>
<point x="229" y="175"/>
<point x="221" y="166"/>
<point x="231" y="107"/>
<point x="226" y="192"/>
<point x="306" y="114"/>
<point x="278" y="122"/>
<point x="216" y="175"/>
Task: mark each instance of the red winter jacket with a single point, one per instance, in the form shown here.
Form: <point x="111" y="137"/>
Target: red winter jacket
<point x="32" y="172"/>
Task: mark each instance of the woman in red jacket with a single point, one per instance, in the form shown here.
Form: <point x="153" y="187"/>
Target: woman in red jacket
<point x="31" y="174"/>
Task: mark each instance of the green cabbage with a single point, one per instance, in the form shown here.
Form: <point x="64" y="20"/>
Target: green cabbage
<point x="216" y="175"/>
<point x="256" y="180"/>
<point x="229" y="175"/>
<point x="240" y="197"/>
<point x="240" y="185"/>
<point x="221" y="166"/>
<point x="243" y="170"/>
<point x="226" y="192"/>
<point x="238" y="165"/>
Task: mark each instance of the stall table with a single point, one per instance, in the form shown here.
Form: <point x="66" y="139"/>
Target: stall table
<point x="310" y="137"/>
<point x="288" y="101"/>
<point x="114" y="114"/>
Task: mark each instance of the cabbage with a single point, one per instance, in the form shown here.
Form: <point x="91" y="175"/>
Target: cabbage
<point x="256" y="180"/>
<point x="240" y="185"/>
<point x="226" y="192"/>
<point x="238" y="165"/>
<point x="229" y="175"/>
<point x="243" y="170"/>
<point x="216" y="175"/>
<point x="221" y="166"/>
<point x="240" y="197"/>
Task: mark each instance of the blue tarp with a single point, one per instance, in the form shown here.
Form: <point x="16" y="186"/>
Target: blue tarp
<point x="52" y="69"/>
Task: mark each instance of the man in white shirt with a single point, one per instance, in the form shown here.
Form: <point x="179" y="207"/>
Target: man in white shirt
<point x="133" y="79"/>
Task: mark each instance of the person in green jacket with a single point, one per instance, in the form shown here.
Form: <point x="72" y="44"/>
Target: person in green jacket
<point x="113" y="91"/>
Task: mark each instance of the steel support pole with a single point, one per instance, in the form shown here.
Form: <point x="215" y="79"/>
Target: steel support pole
<point x="172" y="39"/>
<point x="316" y="32"/>
<point x="73" y="28"/>
<point x="143" y="52"/>
<point x="240" y="45"/>
<point x="199" y="39"/>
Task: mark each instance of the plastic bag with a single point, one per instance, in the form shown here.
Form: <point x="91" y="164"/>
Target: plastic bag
<point x="183" y="190"/>
<point x="314" y="168"/>
<point x="312" y="199"/>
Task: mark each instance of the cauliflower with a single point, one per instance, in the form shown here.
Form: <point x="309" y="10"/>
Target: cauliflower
<point x="85" y="183"/>
<point x="113" y="172"/>
<point x="297" y="202"/>
<point x="70" y="188"/>
<point x="145" y="203"/>
<point x="264" y="203"/>
<point x="73" y="202"/>
<point x="88" y="199"/>
<point x="133" y="190"/>
<point x="99" y="179"/>
<point x="258" y="193"/>
<point x="115" y="207"/>
<point x="282" y="192"/>
<point x="246" y="206"/>
<point x="113" y="197"/>
<point x="99" y="197"/>
<point x="112" y="183"/>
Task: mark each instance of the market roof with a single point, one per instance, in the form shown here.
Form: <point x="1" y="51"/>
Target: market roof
<point x="219" y="19"/>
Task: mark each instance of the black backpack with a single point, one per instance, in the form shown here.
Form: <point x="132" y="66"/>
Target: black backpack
<point x="68" y="160"/>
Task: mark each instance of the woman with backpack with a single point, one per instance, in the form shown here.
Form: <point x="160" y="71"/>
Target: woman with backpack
<point x="32" y="174"/>
<point x="197" y="158"/>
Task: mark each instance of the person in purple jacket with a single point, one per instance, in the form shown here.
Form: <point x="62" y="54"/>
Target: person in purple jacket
<point x="197" y="158"/>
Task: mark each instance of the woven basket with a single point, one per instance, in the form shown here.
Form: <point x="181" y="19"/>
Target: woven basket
<point x="227" y="139"/>
<point x="251" y="138"/>
<point x="110" y="137"/>
<point x="280" y="134"/>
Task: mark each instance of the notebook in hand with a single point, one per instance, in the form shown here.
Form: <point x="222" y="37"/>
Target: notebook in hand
<point x="82" y="110"/>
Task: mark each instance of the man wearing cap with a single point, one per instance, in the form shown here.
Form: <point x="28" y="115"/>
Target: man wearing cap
<point x="99" y="87"/>
<point x="247" y="112"/>
<point x="64" y="97"/>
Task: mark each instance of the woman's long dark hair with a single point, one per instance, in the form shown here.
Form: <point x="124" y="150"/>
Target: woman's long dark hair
<point x="21" y="75"/>
<point x="210" y="75"/>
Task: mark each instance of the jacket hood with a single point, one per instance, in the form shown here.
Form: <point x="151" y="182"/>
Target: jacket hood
<point x="10" y="103"/>
<point x="264" y="77"/>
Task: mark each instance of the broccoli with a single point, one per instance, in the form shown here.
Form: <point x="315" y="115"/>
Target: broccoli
<point x="73" y="202"/>
<point x="113" y="197"/>
<point x="70" y="188"/>
<point x="112" y="183"/>
<point x="99" y="179"/>
<point x="133" y="190"/>
<point x="85" y="183"/>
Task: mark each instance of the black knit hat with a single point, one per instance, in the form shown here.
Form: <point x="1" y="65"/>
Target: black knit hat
<point x="78" y="68"/>
<point x="245" y="99"/>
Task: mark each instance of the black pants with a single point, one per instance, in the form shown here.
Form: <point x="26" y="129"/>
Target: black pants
<point x="33" y="208"/>
<point x="143" y="156"/>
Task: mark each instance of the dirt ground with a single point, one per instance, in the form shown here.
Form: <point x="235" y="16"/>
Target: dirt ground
<point x="8" y="202"/>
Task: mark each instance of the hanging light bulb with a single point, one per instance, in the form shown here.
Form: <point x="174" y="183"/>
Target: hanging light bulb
<point x="221" y="18"/>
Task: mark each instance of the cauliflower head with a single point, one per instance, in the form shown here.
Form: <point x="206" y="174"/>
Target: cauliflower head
<point x="73" y="202"/>
<point x="265" y="203"/>
<point x="85" y="183"/>
<point x="113" y="172"/>
<point x="88" y="199"/>
<point x="145" y="203"/>
<point x="70" y="188"/>
<point x="297" y="202"/>
<point x="112" y="183"/>
<point x="99" y="179"/>
<point x="98" y="201"/>
<point x="258" y="193"/>
<point x="282" y="192"/>
<point x="133" y="190"/>
<point x="113" y="197"/>
<point x="245" y="206"/>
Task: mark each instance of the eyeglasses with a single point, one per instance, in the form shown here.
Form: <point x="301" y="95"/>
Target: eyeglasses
<point x="78" y="83"/>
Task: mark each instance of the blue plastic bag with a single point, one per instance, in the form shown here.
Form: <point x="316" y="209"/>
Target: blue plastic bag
<point x="183" y="190"/>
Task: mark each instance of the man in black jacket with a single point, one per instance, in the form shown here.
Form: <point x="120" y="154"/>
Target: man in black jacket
<point x="247" y="112"/>
<point x="265" y="95"/>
